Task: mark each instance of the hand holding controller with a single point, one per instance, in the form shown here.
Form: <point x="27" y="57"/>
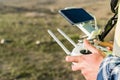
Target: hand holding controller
<point x="87" y="64"/>
<point x="80" y="50"/>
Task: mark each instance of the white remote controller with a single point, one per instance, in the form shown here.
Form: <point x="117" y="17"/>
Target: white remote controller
<point x="79" y="50"/>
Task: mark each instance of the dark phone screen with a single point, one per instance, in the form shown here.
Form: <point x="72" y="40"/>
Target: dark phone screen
<point x="76" y="15"/>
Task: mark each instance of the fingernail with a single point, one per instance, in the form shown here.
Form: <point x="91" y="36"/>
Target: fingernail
<point x="67" y="58"/>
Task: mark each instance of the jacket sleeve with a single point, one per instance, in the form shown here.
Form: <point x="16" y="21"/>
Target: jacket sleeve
<point x="109" y="69"/>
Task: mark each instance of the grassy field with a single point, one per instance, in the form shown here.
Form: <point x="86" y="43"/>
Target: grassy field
<point x="27" y="52"/>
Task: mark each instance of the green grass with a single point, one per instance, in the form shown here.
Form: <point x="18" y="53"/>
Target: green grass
<point x="20" y="57"/>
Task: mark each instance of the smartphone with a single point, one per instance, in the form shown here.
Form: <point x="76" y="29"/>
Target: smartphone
<point x="80" y="18"/>
<point x="76" y="15"/>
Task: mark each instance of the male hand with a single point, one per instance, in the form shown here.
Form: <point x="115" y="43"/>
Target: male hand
<point x="87" y="64"/>
<point x="108" y="45"/>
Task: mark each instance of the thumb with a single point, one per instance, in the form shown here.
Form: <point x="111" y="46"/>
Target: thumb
<point x="90" y="47"/>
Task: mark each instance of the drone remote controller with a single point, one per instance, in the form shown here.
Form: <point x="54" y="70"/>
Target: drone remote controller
<point x="78" y="49"/>
<point x="82" y="19"/>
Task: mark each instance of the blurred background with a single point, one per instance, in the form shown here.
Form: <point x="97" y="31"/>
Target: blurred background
<point x="27" y="52"/>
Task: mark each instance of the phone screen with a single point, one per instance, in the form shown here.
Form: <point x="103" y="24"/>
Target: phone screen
<point x="76" y="15"/>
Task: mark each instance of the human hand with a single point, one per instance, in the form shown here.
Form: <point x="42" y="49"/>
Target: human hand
<point x="87" y="64"/>
<point x="108" y="45"/>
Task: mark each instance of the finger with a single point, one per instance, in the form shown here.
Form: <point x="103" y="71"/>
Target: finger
<point x="109" y="48"/>
<point x="90" y="47"/>
<point x="77" y="66"/>
<point x="73" y="59"/>
<point x="104" y="44"/>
